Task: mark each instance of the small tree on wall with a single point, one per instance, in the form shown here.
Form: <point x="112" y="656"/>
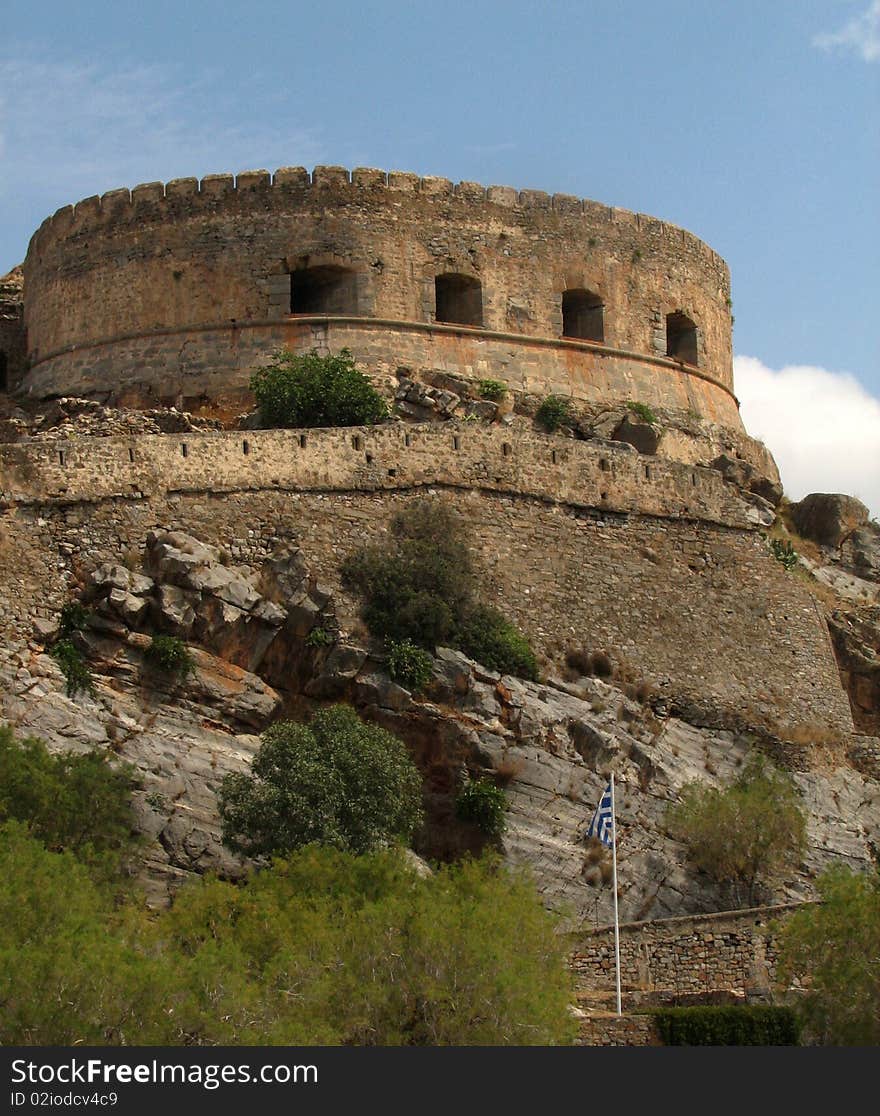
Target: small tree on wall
<point x="297" y="390"/>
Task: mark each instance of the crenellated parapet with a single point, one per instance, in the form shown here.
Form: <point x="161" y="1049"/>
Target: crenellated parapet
<point x="124" y="289"/>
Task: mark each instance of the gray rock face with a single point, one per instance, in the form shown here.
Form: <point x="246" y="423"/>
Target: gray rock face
<point x="828" y="517"/>
<point x="552" y="745"/>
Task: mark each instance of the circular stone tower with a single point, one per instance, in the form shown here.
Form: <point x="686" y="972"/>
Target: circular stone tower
<point x="174" y="293"/>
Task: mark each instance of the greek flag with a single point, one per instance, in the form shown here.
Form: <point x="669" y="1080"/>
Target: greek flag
<point x="602" y="825"/>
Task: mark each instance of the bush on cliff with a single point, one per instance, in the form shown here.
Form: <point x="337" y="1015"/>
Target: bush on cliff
<point x="745" y="835"/>
<point x="833" y="949"/>
<point x="420" y="586"/>
<point x="336" y="781"/>
<point x="297" y="390"/>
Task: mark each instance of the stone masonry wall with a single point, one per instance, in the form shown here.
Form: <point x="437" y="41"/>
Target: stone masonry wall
<point x="219" y="253"/>
<point x="694" y="604"/>
<point x="731" y="951"/>
<point x="192" y="368"/>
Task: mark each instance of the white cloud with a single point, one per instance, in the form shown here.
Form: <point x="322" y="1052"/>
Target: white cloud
<point x="861" y="34"/>
<point x="72" y="128"/>
<point x="822" y="427"/>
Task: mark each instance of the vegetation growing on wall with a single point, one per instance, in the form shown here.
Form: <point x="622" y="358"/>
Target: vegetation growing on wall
<point x="554" y="412"/>
<point x="420" y="586"/>
<point x="313" y="390"/>
<point x="746" y="834"/>
<point x="336" y="781"/>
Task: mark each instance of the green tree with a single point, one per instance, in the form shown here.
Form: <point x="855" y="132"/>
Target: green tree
<point x="313" y="390"/>
<point x="80" y="803"/>
<point x="420" y="586"/>
<point x="337" y="781"/>
<point x="833" y="949"/>
<point x="744" y="835"/>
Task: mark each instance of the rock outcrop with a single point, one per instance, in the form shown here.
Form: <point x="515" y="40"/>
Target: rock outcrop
<point x="256" y="657"/>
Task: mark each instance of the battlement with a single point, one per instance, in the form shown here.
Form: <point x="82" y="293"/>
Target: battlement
<point x="97" y="210"/>
<point x="604" y="477"/>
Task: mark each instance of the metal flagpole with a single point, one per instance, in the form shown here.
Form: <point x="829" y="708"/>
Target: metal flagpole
<point x="616" y="922"/>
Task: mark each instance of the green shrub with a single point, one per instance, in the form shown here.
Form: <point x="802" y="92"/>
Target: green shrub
<point x="73" y="667"/>
<point x="492" y="390"/>
<point x="419" y="582"/>
<point x="336" y="781"/>
<point x="313" y="390"/>
<point x="320" y="637"/>
<point x="70" y="801"/>
<point x="170" y="655"/>
<point x="833" y="948"/>
<point x="409" y="665"/>
<point x="745" y="834"/>
<point x="486" y="636"/>
<point x="420" y="586"/>
<point x="643" y="411"/>
<point x="484" y="804"/>
<point x="784" y="552"/>
<point x="323" y="948"/>
<point x="554" y="413"/>
<point x="737" y="1025"/>
<point x="74" y="618"/>
<point x="69" y="971"/>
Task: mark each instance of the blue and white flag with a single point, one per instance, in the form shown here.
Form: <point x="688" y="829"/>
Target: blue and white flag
<point x="602" y="825"/>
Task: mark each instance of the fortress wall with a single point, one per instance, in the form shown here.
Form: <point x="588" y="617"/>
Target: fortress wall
<point x="391" y="456"/>
<point x="700" y="608"/>
<point x="189" y="368"/>
<point x="188" y="252"/>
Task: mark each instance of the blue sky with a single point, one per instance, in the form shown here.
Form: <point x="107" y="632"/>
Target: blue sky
<point x="753" y="124"/>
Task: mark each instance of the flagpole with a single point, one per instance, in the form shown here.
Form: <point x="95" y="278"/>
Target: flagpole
<point x="616" y="921"/>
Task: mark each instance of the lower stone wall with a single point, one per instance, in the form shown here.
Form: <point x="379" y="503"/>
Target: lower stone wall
<point x="702" y="611"/>
<point x="733" y="951"/>
<point x="624" y="1030"/>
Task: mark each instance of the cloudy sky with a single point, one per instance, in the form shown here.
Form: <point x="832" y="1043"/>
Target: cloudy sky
<point x="755" y="124"/>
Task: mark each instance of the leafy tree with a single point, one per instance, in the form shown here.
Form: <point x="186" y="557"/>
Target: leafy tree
<point x="337" y="781"/>
<point x="745" y="834"/>
<point x="420" y="587"/>
<point x="313" y="390"/>
<point x="73" y="802"/>
<point x="833" y="948"/>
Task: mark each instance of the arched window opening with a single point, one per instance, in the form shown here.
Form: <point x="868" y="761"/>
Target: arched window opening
<point x="681" y="338"/>
<point x="459" y="300"/>
<point x="583" y="316"/>
<point x="323" y="290"/>
<point x="4" y="383"/>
